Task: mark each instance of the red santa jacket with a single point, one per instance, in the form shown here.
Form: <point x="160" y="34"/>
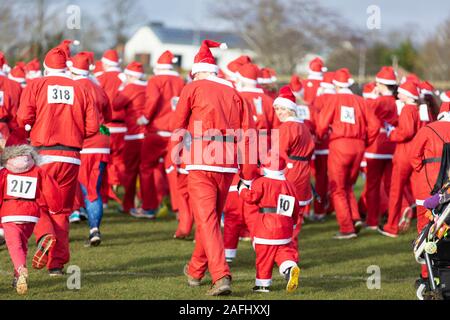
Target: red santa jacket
<point x="260" y="104"/>
<point x="111" y="82"/>
<point x="23" y="195"/>
<point x="278" y="208"/>
<point x="310" y="87"/>
<point x="408" y="125"/>
<point x="131" y="100"/>
<point x="163" y="92"/>
<point x="347" y="116"/>
<point x="425" y="155"/>
<point x="385" y="110"/>
<point x="320" y="103"/>
<point x="213" y="111"/>
<point x="10" y="94"/>
<point x="59" y="110"/>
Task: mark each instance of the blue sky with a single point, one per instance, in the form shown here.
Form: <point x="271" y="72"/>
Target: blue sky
<point x="424" y="16"/>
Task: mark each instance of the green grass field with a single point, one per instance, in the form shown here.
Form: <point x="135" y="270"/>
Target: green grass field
<point x="138" y="259"/>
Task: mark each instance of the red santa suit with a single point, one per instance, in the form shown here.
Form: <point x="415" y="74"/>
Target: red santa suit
<point x="111" y="81"/>
<point x="209" y="109"/>
<point x="60" y="114"/>
<point x="131" y="101"/>
<point x="408" y="125"/>
<point x="162" y="94"/>
<point x="312" y="83"/>
<point x="278" y="210"/>
<point x="352" y="127"/>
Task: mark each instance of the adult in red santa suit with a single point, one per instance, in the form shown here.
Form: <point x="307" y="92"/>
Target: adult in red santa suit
<point x="33" y="69"/>
<point x="96" y="149"/>
<point x="18" y="74"/>
<point x="111" y="80"/>
<point x="426" y="155"/>
<point x="60" y="114"/>
<point x="131" y="102"/>
<point x="296" y="147"/>
<point x="409" y="124"/>
<point x="315" y="77"/>
<point x="379" y="155"/>
<point x="210" y="108"/>
<point x="324" y="92"/>
<point x="350" y="126"/>
<point x="162" y="94"/>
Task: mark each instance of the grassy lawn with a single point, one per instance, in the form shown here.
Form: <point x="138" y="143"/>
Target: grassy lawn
<point x="138" y="259"/>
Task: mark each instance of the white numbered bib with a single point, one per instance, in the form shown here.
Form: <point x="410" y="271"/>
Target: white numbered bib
<point x="303" y="113"/>
<point x="60" y="95"/>
<point x="285" y="205"/>
<point x="258" y="105"/>
<point x="423" y="113"/>
<point x="21" y="187"/>
<point x="2" y="98"/>
<point x="174" y="102"/>
<point x="348" y="115"/>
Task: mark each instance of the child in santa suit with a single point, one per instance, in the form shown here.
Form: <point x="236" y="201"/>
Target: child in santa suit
<point x="25" y="189"/>
<point x="274" y="225"/>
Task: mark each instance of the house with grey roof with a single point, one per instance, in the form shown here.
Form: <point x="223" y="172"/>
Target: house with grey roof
<point x="150" y="41"/>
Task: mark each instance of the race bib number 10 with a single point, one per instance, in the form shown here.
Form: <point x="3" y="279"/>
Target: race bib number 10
<point x="285" y="205"/>
<point x="21" y="187"/>
<point x="2" y="98"/>
<point x="61" y="95"/>
<point x="348" y="115"/>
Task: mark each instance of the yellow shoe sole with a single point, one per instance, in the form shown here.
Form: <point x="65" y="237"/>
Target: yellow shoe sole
<point x="293" y="279"/>
<point x="22" y="285"/>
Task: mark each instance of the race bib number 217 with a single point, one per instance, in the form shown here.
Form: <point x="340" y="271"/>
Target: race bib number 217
<point x="60" y="95"/>
<point x="21" y="187"/>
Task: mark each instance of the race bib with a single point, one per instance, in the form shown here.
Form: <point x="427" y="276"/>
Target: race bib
<point x="2" y="98"/>
<point x="348" y="115"/>
<point x="174" y="102"/>
<point x="303" y="113"/>
<point x="285" y="205"/>
<point x="258" y="105"/>
<point x="60" y="95"/>
<point x="21" y="187"/>
<point x="423" y="113"/>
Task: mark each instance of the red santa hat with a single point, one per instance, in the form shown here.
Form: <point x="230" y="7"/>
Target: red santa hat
<point x="343" y="78"/>
<point x="327" y="81"/>
<point x="234" y="65"/>
<point x="426" y="88"/>
<point x="317" y="66"/>
<point x="286" y="99"/>
<point x="134" y="69"/>
<point x="409" y="89"/>
<point x="98" y="69"/>
<point x="296" y="84"/>
<point x="82" y="63"/>
<point x="166" y="61"/>
<point x="204" y="61"/>
<point x="411" y="77"/>
<point x="2" y="60"/>
<point x="248" y="73"/>
<point x="368" y="91"/>
<point x="56" y="60"/>
<point x="111" y="58"/>
<point x="33" y="69"/>
<point x="274" y="165"/>
<point x="267" y="76"/>
<point x="17" y="73"/>
<point x="387" y="76"/>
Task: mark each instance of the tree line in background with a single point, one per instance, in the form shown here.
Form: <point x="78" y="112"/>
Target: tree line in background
<point x="280" y="32"/>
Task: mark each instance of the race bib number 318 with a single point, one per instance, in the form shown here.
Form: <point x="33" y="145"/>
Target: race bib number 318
<point x="21" y="187"/>
<point x="61" y="95"/>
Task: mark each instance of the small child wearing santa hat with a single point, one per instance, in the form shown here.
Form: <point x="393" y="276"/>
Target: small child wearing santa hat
<point x="24" y="190"/>
<point x="273" y="230"/>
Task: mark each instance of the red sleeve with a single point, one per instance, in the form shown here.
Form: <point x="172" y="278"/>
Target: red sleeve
<point x="153" y="95"/>
<point x="121" y="100"/>
<point x="26" y="114"/>
<point x="418" y="148"/>
<point x="105" y="106"/>
<point x="248" y="169"/>
<point x="183" y="113"/>
<point x="373" y="124"/>
<point x="406" y="127"/>
<point x="253" y="195"/>
<point x="284" y="142"/>
<point x="92" y="125"/>
<point x="324" y="121"/>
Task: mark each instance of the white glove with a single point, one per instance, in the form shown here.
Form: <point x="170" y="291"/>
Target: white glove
<point x="389" y="128"/>
<point x="242" y="185"/>
<point x="143" y="121"/>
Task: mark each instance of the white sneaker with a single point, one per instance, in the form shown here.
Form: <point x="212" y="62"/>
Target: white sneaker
<point x="136" y="213"/>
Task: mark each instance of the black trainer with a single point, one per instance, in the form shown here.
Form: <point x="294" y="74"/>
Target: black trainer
<point x="57" y="272"/>
<point x="95" y="239"/>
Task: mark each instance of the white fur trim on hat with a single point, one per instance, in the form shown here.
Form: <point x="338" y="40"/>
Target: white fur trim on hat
<point x="164" y="66"/>
<point x="110" y="62"/>
<point x="407" y="93"/>
<point x="11" y="77"/>
<point x="54" y="70"/>
<point x="133" y="73"/>
<point x="370" y="96"/>
<point x="80" y="72"/>
<point x="445" y="97"/>
<point x="283" y="102"/>
<point x="327" y="85"/>
<point x="204" y="67"/>
<point x="223" y="46"/>
<point x="344" y="84"/>
<point x="246" y="80"/>
<point x="386" y="81"/>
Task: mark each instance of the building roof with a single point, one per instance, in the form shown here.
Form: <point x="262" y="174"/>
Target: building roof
<point x="194" y="37"/>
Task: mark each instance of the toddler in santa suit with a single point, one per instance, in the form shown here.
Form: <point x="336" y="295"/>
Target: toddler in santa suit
<point x="274" y="225"/>
<point x="25" y="189"/>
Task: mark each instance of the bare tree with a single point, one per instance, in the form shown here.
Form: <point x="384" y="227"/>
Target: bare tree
<point x="8" y="25"/>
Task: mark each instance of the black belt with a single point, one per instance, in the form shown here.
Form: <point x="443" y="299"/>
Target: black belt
<point x="58" y="148"/>
<point x="20" y="199"/>
<point x="217" y="138"/>
<point x="295" y="158"/>
<point x="4" y="120"/>
<point x="431" y="160"/>
<point x="267" y="210"/>
<point x="118" y="121"/>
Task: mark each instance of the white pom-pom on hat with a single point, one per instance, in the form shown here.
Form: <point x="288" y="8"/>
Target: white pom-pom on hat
<point x="76" y="42"/>
<point x="27" y="127"/>
<point x="223" y="46"/>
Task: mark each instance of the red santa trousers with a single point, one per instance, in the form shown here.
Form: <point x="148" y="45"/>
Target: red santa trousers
<point x="343" y="168"/>
<point x="321" y="178"/>
<point x="116" y="166"/>
<point x="285" y="256"/>
<point x="16" y="237"/>
<point x="185" y="215"/>
<point x="132" y="161"/>
<point x="207" y="195"/>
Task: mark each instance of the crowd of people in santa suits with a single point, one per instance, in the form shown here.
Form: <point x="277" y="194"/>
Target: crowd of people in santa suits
<point x="75" y="133"/>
